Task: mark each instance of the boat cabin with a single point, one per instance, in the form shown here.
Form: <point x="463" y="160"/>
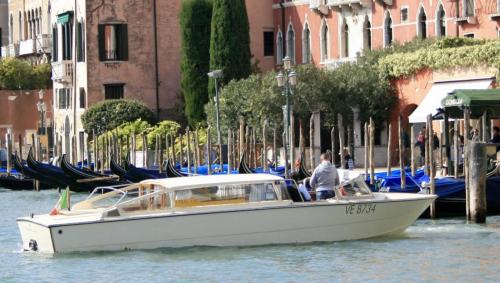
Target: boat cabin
<point x="188" y="193"/>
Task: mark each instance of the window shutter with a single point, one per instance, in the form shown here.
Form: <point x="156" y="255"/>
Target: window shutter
<point x="124" y="42"/>
<point x="102" y="55"/>
<point x="54" y="44"/>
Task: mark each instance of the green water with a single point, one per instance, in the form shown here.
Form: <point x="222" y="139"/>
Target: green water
<point x="444" y="250"/>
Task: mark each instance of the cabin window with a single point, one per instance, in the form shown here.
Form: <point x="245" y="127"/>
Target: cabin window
<point x="268" y="43"/>
<point x="113" y="42"/>
<point x="113" y="91"/>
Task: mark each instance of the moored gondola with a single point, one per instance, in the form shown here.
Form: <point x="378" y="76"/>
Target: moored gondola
<point x="88" y="177"/>
<point x="45" y="183"/>
<point x="117" y="169"/>
<point x="171" y="171"/>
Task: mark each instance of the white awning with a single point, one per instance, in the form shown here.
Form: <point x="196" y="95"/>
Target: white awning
<point x="432" y="101"/>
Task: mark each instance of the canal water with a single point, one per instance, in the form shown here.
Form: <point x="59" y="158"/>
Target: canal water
<point x="443" y="250"/>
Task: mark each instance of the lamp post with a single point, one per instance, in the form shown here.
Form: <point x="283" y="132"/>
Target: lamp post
<point x="217" y="74"/>
<point x="42" y="108"/>
<point x="287" y="79"/>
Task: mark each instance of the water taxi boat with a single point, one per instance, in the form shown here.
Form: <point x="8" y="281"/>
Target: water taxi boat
<point x="229" y="210"/>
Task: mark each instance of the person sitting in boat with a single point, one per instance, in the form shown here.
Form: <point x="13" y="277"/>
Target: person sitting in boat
<point x="324" y="178"/>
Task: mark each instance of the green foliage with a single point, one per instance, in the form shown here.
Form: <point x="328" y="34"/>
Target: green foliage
<point x="439" y="57"/>
<point x="163" y="128"/>
<point x="257" y="98"/>
<point x="230" y="41"/>
<point x="195" y="19"/>
<point x="18" y="74"/>
<point x="109" y="114"/>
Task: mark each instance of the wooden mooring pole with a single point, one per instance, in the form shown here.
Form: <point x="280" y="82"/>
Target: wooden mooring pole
<point x="412" y="150"/>
<point x="229" y="153"/>
<point x="372" y="152"/>
<point x="401" y="153"/>
<point x="389" y="143"/>
<point x="209" y="152"/>
<point x="477" y="182"/>
<point x="366" y="138"/>
<point x="9" y="152"/>
<point x="431" y="164"/>
<point x="311" y="143"/>
<point x="466" y="160"/>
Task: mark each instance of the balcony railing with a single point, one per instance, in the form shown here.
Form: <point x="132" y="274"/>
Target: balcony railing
<point x="62" y="72"/>
<point x="335" y="63"/>
<point x="339" y="3"/>
<point x="27" y="47"/>
<point x="43" y="43"/>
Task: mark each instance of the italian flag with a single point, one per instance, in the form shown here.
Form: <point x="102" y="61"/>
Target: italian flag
<point x="64" y="202"/>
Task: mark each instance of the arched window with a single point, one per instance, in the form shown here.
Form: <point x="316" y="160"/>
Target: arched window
<point x="468" y="8"/>
<point x="11" y="30"/>
<point x="306" y="45"/>
<point x="324" y="39"/>
<point x="290" y="43"/>
<point x="20" y="26"/>
<point x="440" y="22"/>
<point x="279" y="48"/>
<point x="387" y="30"/>
<point x="422" y="24"/>
<point x="367" y="34"/>
<point x="345" y="40"/>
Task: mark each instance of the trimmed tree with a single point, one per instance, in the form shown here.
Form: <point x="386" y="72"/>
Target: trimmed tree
<point x="109" y="114"/>
<point x="195" y="19"/>
<point x="229" y="42"/>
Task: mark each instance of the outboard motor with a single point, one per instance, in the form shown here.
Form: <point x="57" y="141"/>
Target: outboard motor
<point x="33" y="246"/>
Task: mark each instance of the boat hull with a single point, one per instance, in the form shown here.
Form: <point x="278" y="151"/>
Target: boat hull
<point x="295" y="223"/>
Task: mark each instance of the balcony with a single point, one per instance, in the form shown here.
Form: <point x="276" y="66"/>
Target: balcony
<point x="335" y="63"/>
<point x="44" y="43"/>
<point x="466" y="19"/>
<point x="340" y="3"/>
<point x="319" y="7"/>
<point x="62" y="72"/>
<point x="27" y="47"/>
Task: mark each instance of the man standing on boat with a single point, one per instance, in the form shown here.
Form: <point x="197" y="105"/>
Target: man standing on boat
<point x="324" y="178"/>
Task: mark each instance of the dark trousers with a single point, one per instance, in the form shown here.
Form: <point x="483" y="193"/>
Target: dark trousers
<point x="321" y="195"/>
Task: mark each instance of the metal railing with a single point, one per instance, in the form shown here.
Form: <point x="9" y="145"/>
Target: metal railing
<point x="62" y="71"/>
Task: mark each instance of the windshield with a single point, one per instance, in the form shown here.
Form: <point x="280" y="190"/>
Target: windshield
<point x="354" y="188"/>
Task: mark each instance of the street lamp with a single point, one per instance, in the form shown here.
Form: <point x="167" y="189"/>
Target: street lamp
<point x="217" y="74"/>
<point x="287" y="79"/>
<point x="42" y="108"/>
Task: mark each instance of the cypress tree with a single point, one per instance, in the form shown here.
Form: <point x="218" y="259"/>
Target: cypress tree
<point x="195" y="22"/>
<point x="229" y="42"/>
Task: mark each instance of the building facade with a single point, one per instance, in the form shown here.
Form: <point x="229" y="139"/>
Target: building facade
<point x="112" y="50"/>
<point x="28" y="33"/>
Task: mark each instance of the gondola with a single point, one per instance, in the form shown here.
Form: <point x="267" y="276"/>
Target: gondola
<point x="18" y="182"/>
<point x="117" y="169"/>
<point x="81" y="174"/>
<point x="171" y="171"/>
<point x="243" y="167"/>
<point x="135" y="174"/>
<point x="31" y="175"/>
<point x="50" y="172"/>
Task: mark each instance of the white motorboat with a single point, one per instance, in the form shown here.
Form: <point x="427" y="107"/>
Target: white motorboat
<point x="222" y="210"/>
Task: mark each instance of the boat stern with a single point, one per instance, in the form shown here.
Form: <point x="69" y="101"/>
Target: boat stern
<point x="35" y="236"/>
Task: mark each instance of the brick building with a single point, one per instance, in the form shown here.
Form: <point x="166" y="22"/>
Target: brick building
<point x="328" y="33"/>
